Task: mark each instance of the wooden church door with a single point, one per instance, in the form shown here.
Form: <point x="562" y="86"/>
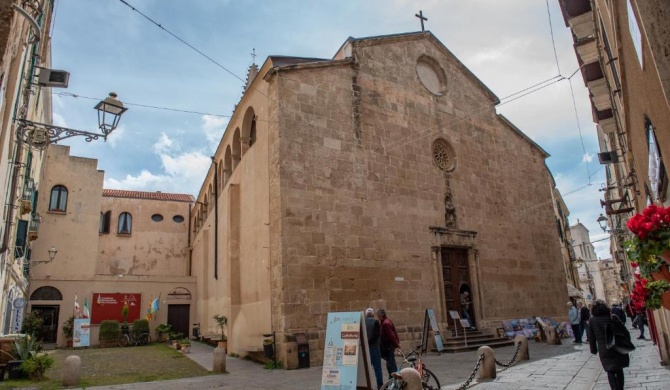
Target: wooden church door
<point x="455" y="276"/>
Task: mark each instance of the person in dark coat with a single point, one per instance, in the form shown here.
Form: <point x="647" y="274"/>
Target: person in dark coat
<point x="618" y="311"/>
<point x="613" y="362"/>
<point x="374" y="332"/>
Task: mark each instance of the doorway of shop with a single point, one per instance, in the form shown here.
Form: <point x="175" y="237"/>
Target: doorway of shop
<point x="178" y="317"/>
<point x="49" y="316"/>
<point x="456" y="279"/>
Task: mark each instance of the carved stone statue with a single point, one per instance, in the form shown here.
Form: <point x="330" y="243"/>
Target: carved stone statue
<point x="449" y="210"/>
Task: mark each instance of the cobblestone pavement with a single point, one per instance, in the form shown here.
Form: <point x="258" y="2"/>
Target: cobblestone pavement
<point x="566" y="366"/>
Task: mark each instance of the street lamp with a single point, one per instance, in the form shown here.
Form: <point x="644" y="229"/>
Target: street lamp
<point x="52" y="255"/>
<point x="602" y="221"/>
<point x="39" y="135"/>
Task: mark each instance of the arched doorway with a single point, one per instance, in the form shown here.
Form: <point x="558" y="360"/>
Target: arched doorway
<point x="47" y="312"/>
<point x="179" y="310"/>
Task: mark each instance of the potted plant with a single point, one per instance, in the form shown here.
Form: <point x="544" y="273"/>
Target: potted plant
<point x="163" y="332"/>
<point x="185" y="345"/>
<point x="222" y="321"/>
<point x="650" y="246"/>
<point x="175" y="337"/>
<point x="125" y="328"/>
<point x="68" y="330"/>
<point x="37" y="364"/>
<point x="659" y="295"/>
<point x="22" y="352"/>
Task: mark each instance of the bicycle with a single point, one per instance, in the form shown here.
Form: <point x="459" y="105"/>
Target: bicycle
<point x="132" y="338"/>
<point x="413" y="359"/>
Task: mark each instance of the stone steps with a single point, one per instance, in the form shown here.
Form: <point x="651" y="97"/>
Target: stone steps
<point x="474" y="340"/>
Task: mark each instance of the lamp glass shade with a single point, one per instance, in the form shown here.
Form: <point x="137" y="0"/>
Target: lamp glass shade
<point x="109" y="113"/>
<point x="52" y="253"/>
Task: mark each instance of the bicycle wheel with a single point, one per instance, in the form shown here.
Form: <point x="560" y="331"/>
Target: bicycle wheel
<point x="144" y="339"/>
<point x="124" y="340"/>
<point x="429" y="380"/>
<point x="393" y="384"/>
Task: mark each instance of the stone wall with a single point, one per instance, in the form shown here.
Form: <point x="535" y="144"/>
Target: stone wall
<point x="360" y="189"/>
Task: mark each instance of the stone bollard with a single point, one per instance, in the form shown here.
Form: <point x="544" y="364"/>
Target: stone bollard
<point x="487" y="370"/>
<point x="71" y="371"/>
<point x="523" y="349"/>
<point x="411" y="377"/>
<point x="552" y="336"/>
<point x="219" y="359"/>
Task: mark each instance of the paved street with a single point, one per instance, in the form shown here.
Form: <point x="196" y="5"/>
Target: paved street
<point x="566" y="366"/>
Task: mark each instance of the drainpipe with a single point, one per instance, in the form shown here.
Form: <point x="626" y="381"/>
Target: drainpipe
<point x="216" y="218"/>
<point x="190" y="246"/>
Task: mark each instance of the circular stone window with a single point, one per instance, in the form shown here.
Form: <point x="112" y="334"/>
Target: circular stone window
<point x="156" y="217"/>
<point x="431" y="75"/>
<point x="178" y="218"/>
<point x="444" y="155"/>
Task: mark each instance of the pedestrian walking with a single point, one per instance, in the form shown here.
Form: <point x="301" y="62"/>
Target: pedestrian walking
<point x="602" y="328"/>
<point x="389" y="342"/>
<point x="374" y="334"/>
<point x="641" y="321"/>
<point x="573" y="316"/>
<point x="631" y="313"/>
<point x="584" y="315"/>
<point x="618" y="311"/>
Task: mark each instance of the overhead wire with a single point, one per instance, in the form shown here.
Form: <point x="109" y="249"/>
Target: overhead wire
<point x="553" y="42"/>
<point x="416" y="136"/>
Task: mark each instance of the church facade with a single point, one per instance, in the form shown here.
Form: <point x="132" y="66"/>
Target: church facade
<point x="382" y="177"/>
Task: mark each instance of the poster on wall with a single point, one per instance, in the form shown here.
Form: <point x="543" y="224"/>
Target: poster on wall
<point x="81" y="334"/>
<point x="109" y="307"/>
<point x="344" y="352"/>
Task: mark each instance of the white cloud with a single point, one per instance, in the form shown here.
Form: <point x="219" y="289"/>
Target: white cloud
<point x="58" y="120"/>
<point x="214" y="126"/>
<point x="116" y="136"/>
<point x="587" y="158"/>
<point x="163" y="145"/>
<point x="180" y="172"/>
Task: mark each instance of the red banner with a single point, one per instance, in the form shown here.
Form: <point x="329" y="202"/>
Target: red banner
<point x="110" y="306"/>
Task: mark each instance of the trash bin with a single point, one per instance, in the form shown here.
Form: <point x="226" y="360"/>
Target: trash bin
<point x="303" y="350"/>
<point x="196" y="331"/>
<point x="268" y="348"/>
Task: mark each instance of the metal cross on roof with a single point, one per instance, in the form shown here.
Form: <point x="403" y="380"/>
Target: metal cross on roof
<point x="422" y="18"/>
<point x="253" y="55"/>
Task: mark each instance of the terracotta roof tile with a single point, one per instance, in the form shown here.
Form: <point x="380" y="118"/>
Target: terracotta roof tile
<point x="148" y="195"/>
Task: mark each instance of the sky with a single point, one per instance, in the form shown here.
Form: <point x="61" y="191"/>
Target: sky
<point x="107" y="46"/>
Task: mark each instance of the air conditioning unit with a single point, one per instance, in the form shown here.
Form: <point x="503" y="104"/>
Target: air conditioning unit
<point x="608" y="157"/>
<point x="53" y="78"/>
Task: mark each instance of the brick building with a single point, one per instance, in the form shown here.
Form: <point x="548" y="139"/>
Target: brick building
<point x="382" y="177"/>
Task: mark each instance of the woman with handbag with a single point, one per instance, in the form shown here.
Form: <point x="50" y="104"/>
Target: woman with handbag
<point x="610" y="339"/>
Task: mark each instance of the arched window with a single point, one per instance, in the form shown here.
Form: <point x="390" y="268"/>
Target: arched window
<point x="105" y="221"/>
<point x="46" y="293"/>
<point x="252" y="132"/>
<point x="58" y="200"/>
<point x="125" y="223"/>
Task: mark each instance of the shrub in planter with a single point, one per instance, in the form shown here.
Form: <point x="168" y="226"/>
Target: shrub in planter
<point x="109" y="333"/>
<point x="141" y="326"/>
<point x="163" y="331"/>
<point x="68" y="330"/>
